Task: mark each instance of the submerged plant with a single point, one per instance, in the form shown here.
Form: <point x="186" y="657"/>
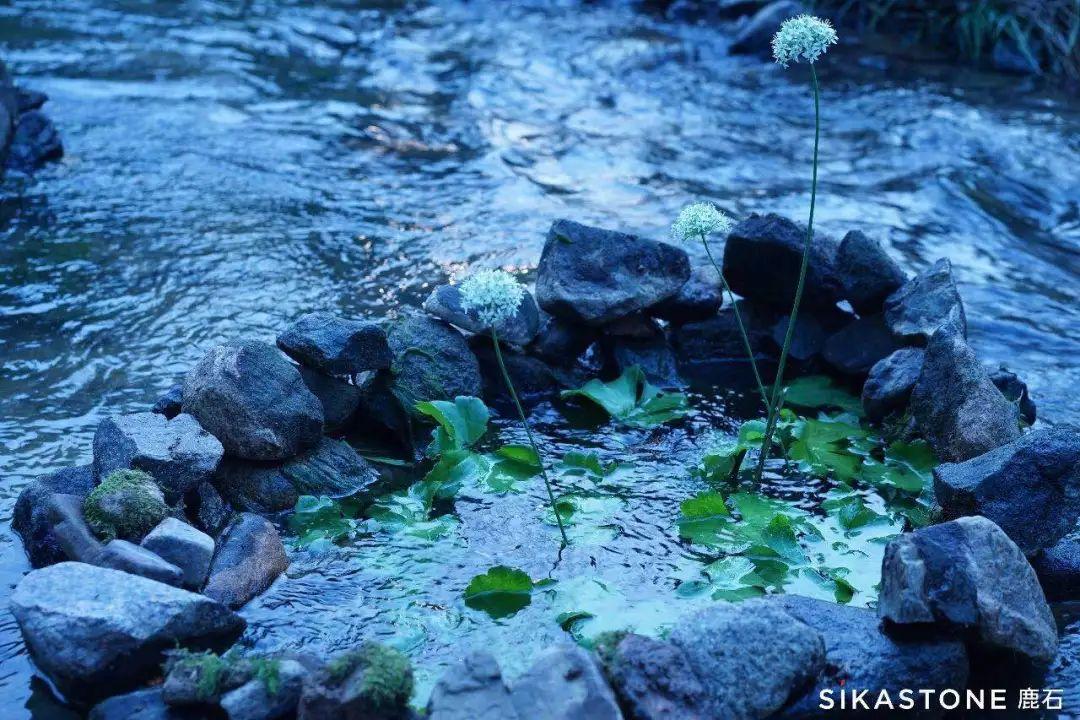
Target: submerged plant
<point x="495" y="296"/>
<point x="802" y="38"/>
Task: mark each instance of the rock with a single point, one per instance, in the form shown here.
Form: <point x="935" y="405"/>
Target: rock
<point x="751" y="657"/>
<point x="564" y="683"/>
<point x="807" y="341"/>
<point x="867" y="273"/>
<point x="859" y="655"/>
<point x="1015" y="391"/>
<point x="177" y="453"/>
<point x="968" y="575"/>
<point x="255" y="487"/>
<point x="122" y="555"/>
<point x="249" y="557"/>
<point x="171" y="403"/>
<point x="533" y="379"/>
<point x="955" y="406"/>
<point x="96" y="632"/>
<point x="336" y="345"/>
<point x="762" y="258"/>
<point x="1030" y="488"/>
<point x="127" y="504"/>
<point x="139" y="705"/>
<point x="718" y="339"/>
<point x="655" y="357"/>
<point x="200" y="679"/>
<point x="183" y="546"/>
<point x="1058" y="569"/>
<point x="210" y="512"/>
<point x="559" y="341"/>
<point x="254" y="401"/>
<point x="698" y="299"/>
<point x="593" y="277"/>
<point x="471" y="690"/>
<point x="372" y="682"/>
<point x="925" y="303"/>
<point x="260" y="699"/>
<point x="756" y="35"/>
<point x="34" y="143"/>
<point x="432" y="361"/>
<point x="654" y="680"/>
<point x="74" y="538"/>
<point x="339" y="399"/>
<point x="855" y="349"/>
<point x="889" y="383"/>
<point x="445" y="303"/>
<point x="30" y="517"/>
<point x="30" y="99"/>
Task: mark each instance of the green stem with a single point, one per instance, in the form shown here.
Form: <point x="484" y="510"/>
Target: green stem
<point x="739" y="321"/>
<point x="528" y="432"/>
<point x="778" y="385"/>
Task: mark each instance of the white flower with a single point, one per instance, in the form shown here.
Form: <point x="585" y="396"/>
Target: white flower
<point x="698" y="221"/>
<point x="804" y="37"/>
<point x="494" y="295"/>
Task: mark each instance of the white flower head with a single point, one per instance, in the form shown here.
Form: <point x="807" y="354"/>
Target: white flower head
<point x="494" y="295"/>
<point x="802" y="38"/>
<point x="698" y="221"/>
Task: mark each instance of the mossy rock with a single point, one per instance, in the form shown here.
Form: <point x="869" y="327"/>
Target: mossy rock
<point x="127" y="504"/>
<point x="375" y="676"/>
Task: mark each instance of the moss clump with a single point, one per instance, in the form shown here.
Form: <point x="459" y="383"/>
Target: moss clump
<point x="268" y="671"/>
<point x="207" y="668"/>
<point x="606" y="645"/>
<point x="127" y="504"/>
<point x="387" y="680"/>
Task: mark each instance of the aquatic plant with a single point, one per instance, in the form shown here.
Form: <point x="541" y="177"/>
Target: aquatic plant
<point x="495" y="296"/>
<point x="500" y="592"/>
<point x="387" y="680"/>
<point x="632" y="400"/>
<point x="697" y="222"/>
<point x="127" y="504"/>
<point x="802" y="38"/>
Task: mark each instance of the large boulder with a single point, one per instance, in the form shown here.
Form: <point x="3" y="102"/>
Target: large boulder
<point x="472" y="690"/>
<point x="762" y="259"/>
<point x="654" y="680"/>
<point x="888" y="385"/>
<point x="967" y="575"/>
<point x="336" y="345"/>
<point x="955" y="406"/>
<point x="751" y="657"/>
<point x="254" y="401"/>
<point x="96" y="632"/>
<point x="177" y="453"/>
<point x="373" y="681"/>
<point x="564" y="683"/>
<point x="854" y="349"/>
<point x="867" y="273"/>
<point x="249" y="557"/>
<point x="924" y="303"/>
<point x="445" y="303"/>
<point x="754" y="37"/>
<point x="30" y="517"/>
<point x="185" y="547"/>
<point x="1030" y="488"/>
<point x="860" y="655"/>
<point x="594" y="277"/>
<point x="432" y="361"/>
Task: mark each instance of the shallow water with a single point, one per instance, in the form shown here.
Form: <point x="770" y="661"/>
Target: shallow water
<point x="231" y="165"/>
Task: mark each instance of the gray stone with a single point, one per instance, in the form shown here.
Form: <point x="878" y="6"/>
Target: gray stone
<point x="139" y="705"/>
<point x="925" y="303"/>
<point x="254" y="701"/>
<point x="1058" y="569"/>
<point x="593" y="277"/>
<point x="211" y="513"/>
<point x="171" y="403"/>
<point x="179" y="454"/>
<point x="373" y="682"/>
<point x="96" y="632"/>
<point x="718" y="339"/>
<point x="762" y="259"/>
<point x="432" y="361"/>
<point x="533" y="379"/>
<point x="968" y="575"/>
<point x="654" y="680"/>
<point x="200" y="679"/>
<point x="74" y="538"/>
<point x="255" y="487"/>
<point x="807" y="340"/>
<point x="339" y="399"/>
<point x="955" y="406"/>
<point x="1030" y="488"/>
<point x="30" y="517"/>
<point x="130" y="558"/>
<point x="445" y="303"/>
<point x="856" y="348"/>
<point x="1015" y="391"/>
<point x="34" y="142"/>
<point x="559" y="341"/>
<point x="698" y="299"/>
<point x="860" y="655"/>
<point x="472" y="690"/>
<point x="564" y="683"/>
<point x="654" y="356"/>
<point x="867" y="273"/>
<point x="888" y="385"/>
<point x="755" y="36"/>
<point x="336" y="345"/>
<point x="254" y="401"/>
<point x="183" y="546"/>
<point x="751" y="657"/>
<point x="249" y="557"/>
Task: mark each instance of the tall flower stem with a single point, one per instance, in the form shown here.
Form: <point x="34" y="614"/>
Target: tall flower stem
<point x="778" y="385"/>
<point x="739" y="322"/>
<point x="528" y="432"/>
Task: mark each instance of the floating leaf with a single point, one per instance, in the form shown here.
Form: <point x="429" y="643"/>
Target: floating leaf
<point x="819" y="391"/>
<point x="461" y="423"/>
<point x="586" y="464"/>
<point x="500" y="592"/>
<point x="569" y="621"/>
<point x="632" y="400"/>
<point x="318" y="520"/>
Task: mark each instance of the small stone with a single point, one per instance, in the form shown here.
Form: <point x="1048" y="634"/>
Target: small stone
<point x="445" y="304"/>
<point x="336" y="345"/>
<point x="867" y="273"/>
<point x="139" y="705"/>
<point x="1015" y="391"/>
<point x="122" y="555"/>
<point x="856" y="348"/>
<point x="373" y="681"/>
<point x="925" y="303"/>
<point x="171" y="403"/>
<point x="654" y="356"/>
<point x="699" y="298"/>
<point x="211" y="512"/>
<point x="1058" y="569"/>
<point x="890" y="381"/>
<point x="559" y="341"/>
<point x="257" y="700"/>
<point x="183" y="546"/>
<point x="249" y="557"/>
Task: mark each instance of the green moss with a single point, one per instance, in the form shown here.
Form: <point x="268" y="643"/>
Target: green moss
<point x="387" y="674"/>
<point x="127" y="504"/>
<point x="208" y="668"/>
<point x="605" y="645"/>
<point x="268" y="671"/>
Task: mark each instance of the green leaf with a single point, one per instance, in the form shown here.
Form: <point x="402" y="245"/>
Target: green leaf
<point x="734" y="578"/>
<point x="461" y="423"/>
<point x="569" y="621"/>
<point x="319" y="520"/>
<point x="500" y="592"/>
<point x="819" y="391"/>
<point x="630" y="399"/>
<point x="821" y="446"/>
<point x="586" y="464"/>
<point x="704" y="518"/>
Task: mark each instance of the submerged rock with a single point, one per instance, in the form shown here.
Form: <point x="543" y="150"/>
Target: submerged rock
<point x="925" y="303"/>
<point x="30" y="517"/>
<point x="139" y="705"/>
<point x="968" y="575"/>
<point x="654" y="680"/>
<point x="432" y="361"/>
<point x="955" y="406"/>
<point x="698" y="299"/>
<point x="374" y="681"/>
<point x="339" y="399"/>
<point x="127" y="505"/>
<point x="520" y="329"/>
<point x="183" y="546"/>
<point x="249" y="557"/>
<point x="170" y="404"/>
<point x="1030" y="488"/>
<point x="96" y="632"/>
<point x="594" y="277"/>
<point x="336" y="345"/>
<point x="888" y="385"/>
<point x="564" y="683"/>
<point x="867" y="273"/>
<point x="254" y="401"/>
<point x="471" y="690"/>
<point x="856" y="348"/>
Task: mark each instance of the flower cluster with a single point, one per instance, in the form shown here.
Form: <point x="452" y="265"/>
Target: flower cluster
<point x="494" y="295"/>
<point x="698" y="221"/>
<point x="804" y="37"/>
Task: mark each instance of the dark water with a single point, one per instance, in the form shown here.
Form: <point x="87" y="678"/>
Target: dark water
<point x="233" y="164"/>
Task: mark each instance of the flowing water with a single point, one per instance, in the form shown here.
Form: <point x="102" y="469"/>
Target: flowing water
<point x="232" y="164"/>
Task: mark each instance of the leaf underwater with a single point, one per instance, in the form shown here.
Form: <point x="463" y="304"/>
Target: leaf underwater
<point x="632" y="400"/>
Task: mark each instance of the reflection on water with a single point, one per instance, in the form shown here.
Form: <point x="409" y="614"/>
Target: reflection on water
<point x="231" y="165"/>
